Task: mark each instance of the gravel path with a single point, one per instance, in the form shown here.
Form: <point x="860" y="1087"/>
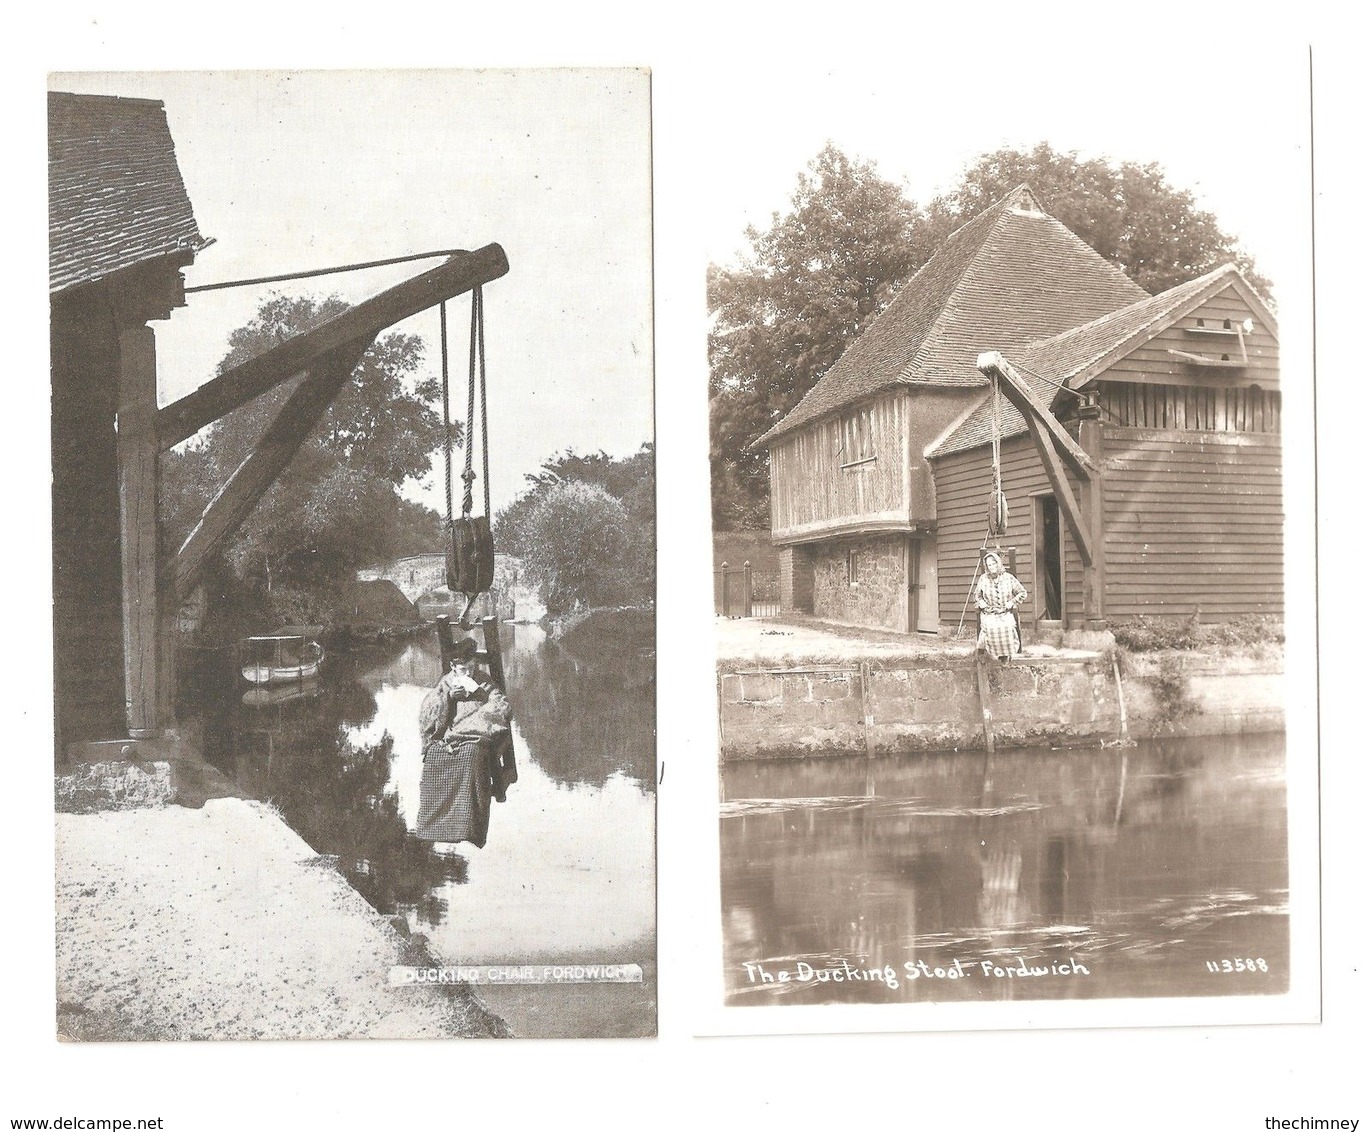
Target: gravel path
<point x="221" y="922"/>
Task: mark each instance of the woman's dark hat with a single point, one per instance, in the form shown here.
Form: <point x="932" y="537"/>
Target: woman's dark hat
<point x="464" y="649"/>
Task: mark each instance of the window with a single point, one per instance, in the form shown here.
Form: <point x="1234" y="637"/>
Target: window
<point x="853" y="567"/>
<point x="855" y="438"/>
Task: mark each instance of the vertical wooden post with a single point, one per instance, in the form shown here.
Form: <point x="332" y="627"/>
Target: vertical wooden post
<point x="986" y="710"/>
<point x="747" y="588"/>
<point x="489" y="627"/>
<point x="137" y="455"/>
<point x="445" y="643"/>
<point x="1092" y="500"/>
<point x="867" y="709"/>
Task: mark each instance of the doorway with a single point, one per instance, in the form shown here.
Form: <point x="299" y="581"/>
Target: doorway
<point x="1050" y="582"/>
<point x="922" y="585"/>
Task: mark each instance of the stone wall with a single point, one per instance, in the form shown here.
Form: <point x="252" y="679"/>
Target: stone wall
<point x="935" y="705"/>
<point x="879" y="598"/>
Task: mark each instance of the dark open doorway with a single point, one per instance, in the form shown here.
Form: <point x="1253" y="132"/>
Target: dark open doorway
<point x="1049" y="585"/>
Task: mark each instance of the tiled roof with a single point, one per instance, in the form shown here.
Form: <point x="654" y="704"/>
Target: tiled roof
<point x="1075" y="356"/>
<point x="1079" y="354"/>
<point x="115" y="194"/>
<point x="1008" y="277"/>
<point x="978" y="428"/>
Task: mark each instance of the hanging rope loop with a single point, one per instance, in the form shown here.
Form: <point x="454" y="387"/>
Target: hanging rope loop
<point x="471" y="548"/>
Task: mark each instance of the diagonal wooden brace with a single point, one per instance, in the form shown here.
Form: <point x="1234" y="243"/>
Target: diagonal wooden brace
<point x="993" y="364"/>
<point x="1060" y="486"/>
<point x="269" y="457"/>
<point x="455" y="276"/>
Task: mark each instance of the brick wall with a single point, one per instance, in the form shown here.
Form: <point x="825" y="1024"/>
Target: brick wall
<point x="796" y="579"/>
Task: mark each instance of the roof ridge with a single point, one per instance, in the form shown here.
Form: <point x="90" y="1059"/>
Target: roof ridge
<point x="1148" y="298"/>
<point x="943" y="315"/>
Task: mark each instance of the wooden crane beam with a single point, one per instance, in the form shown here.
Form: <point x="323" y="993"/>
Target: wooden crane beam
<point x="235" y="387"/>
<point x="993" y="364"/>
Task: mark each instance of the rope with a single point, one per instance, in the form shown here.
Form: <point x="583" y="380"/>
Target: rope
<point x="446" y="411"/>
<point x="469" y="476"/>
<point x="994" y="445"/>
<point x="484" y="420"/>
<point x="324" y="271"/>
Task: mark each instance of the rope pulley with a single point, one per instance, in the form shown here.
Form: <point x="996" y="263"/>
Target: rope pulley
<point x="470" y="544"/>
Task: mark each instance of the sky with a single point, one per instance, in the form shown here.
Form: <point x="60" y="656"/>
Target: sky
<point x="1234" y="134"/>
<point x="295" y="171"/>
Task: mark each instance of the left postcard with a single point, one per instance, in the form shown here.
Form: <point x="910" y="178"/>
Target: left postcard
<point x="354" y="542"/>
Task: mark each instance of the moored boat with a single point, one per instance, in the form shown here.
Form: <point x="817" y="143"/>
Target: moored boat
<point x="280" y="659"/>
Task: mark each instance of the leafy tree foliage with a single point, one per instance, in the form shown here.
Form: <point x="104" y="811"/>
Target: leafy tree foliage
<point x="336" y="506"/>
<point x="585" y="529"/>
<point x="818" y="275"/>
<point x="1128" y="213"/>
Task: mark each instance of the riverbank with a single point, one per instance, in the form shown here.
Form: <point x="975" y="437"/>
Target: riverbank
<point x="220" y="922"/>
<point x="800" y="688"/>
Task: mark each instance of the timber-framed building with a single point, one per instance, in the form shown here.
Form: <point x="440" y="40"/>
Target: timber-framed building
<point x="1138" y="438"/>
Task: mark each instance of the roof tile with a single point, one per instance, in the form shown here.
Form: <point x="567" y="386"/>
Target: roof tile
<point x="1010" y="276"/>
<point x="115" y="194"/>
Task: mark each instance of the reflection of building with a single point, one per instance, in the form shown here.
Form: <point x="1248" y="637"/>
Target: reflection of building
<point x="121" y="230"/>
<point x="1140" y="441"/>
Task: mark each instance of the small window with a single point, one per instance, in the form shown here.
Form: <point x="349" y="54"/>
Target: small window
<point x="853" y="567"/>
<point x="855" y="439"/>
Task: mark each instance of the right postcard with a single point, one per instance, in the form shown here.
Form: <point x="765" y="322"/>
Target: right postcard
<point x="1011" y="438"/>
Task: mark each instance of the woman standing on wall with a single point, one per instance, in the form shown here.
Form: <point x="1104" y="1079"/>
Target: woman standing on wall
<point x="997" y="595"/>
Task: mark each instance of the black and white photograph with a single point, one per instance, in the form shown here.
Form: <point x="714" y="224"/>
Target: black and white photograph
<point x="1001" y="438"/>
<point x="353" y="554"/>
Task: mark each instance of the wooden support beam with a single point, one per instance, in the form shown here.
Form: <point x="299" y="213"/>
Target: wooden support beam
<point x="1092" y="504"/>
<point x="1060" y="485"/>
<point x="986" y="699"/>
<point x="136" y="422"/>
<point x="277" y="446"/>
<point x="235" y="387"/>
<point x="993" y="364"/>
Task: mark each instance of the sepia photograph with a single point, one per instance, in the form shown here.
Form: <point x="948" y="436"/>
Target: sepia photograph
<point x="999" y="497"/>
<point x="353" y="536"/>
<point x="764" y="552"/>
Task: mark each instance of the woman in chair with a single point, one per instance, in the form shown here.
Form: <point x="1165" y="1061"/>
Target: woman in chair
<point x="997" y="595"/>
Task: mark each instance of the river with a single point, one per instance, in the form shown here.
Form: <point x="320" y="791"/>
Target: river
<point x="1154" y="870"/>
<point x="567" y="875"/>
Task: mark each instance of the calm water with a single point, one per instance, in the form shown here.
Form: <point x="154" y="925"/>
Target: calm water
<point x="568" y="871"/>
<point x="860" y="879"/>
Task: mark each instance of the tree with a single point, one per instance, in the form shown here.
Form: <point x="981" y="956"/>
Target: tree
<point x="1129" y="213"/>
<point x="574" y="544"/>
<point x="586" y="529"/>
<point x="336" y="506"/>
<point x="806" y="288"/>
<point x="813" y="280"/>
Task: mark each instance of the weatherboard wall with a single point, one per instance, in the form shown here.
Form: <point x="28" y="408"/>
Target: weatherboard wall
<point x="1193" y="523"/>
<point x="964" y="483"/>
<point x="1154" y="362"/>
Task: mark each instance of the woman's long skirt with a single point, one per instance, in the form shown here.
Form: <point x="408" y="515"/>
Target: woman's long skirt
<point x="454" y="794"/>
<point x="999" y="634"/>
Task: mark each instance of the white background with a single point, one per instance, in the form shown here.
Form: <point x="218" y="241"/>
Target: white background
<point x="1118" y="63"/>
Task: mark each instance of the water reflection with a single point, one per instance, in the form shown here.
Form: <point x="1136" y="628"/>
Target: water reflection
<point x="568" y="871"/>
<point x="1142" y="865"/>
